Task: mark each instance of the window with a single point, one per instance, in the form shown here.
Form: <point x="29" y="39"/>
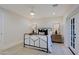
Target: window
<point x="73" y="32"/>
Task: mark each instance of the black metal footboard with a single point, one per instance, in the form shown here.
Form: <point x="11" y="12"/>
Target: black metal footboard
<point x="37" y="41"/>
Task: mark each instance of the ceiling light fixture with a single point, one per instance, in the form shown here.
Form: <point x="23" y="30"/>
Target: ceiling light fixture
<point x="54" y="5"/>
<point x="32" y="13"/>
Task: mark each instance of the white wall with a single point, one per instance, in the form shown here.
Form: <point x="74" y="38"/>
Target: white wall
<point x="77" y="32"/>
<point x="69" y="13"/>
<point x="14" y="27"/>
<point x="73" y="14"/>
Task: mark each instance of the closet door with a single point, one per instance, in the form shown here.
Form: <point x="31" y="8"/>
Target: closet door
<point x="0" y="28"/>
<point x="0" y="31"/>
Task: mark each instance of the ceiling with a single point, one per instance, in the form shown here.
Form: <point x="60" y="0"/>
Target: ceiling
<point x="41" y="10"/>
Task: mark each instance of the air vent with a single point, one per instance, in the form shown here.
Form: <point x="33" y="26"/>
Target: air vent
<point x="54" y="5"/>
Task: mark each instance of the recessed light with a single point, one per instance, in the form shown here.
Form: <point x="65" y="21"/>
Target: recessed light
<point x="32" y="13"/>
<point x="53" y="13"/>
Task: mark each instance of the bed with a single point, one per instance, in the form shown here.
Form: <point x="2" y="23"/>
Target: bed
<point x="40" y="42"/>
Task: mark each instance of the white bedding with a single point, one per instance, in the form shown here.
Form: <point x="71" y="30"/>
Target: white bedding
<point x="34" y="41"/>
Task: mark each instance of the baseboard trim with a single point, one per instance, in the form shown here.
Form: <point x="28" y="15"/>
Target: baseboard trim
<point x="71" y="51"/>
<point x="56" y="42"/>
<point x="11" y="46"/>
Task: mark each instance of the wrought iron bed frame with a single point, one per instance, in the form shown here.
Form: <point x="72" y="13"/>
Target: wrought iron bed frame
<point x="35" y="41"/>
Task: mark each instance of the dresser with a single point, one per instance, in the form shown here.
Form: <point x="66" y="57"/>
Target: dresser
<point x="57" y="38"/>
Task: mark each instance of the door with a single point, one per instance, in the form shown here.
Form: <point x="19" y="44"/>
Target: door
<point x="0" y="28"/>
<point x="73" y="33"/>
